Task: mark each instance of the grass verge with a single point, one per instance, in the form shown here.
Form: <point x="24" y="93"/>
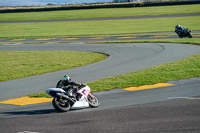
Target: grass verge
<point x="183" y="69"/>
<point x="99" y="13"/>
<point x="195" y="41"/>
<point x="19" y="64"/>
<point x="92" y="28"/>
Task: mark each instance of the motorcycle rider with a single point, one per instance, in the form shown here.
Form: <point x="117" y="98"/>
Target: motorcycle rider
<point x="68" y="85"/>
<point x="67" y="82"/>
<point x="182" y="32"/>
<point x="179" y="28"/>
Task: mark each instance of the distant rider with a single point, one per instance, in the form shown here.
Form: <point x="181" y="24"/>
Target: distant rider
<point x="179" y="28"/>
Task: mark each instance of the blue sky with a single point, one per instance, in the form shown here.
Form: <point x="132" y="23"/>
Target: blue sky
<point x="44" y="2"/>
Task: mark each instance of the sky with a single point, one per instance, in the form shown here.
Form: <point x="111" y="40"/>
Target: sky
<point x="45" y="2"/>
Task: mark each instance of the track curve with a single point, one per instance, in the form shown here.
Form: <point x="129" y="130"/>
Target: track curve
<point x="122" y="112"/>
<point x="123" y="58"/>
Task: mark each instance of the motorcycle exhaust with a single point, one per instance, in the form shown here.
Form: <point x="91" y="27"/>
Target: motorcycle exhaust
<point x="65" y="97"/>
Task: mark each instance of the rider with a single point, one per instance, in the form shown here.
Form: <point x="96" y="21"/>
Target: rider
<point x="67" y="85"/>
<point x="179" y="28"/>
<point x="67" y="82"/>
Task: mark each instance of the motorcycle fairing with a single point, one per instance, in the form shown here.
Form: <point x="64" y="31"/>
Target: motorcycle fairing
<point x="80" y="105"/>
<point x="53" y="91"/>
<point x="83" y="102"/>
<point x="84" y="91"/>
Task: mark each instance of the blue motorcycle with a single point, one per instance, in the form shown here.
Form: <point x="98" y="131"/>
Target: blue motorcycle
<point x="183" y="32"/>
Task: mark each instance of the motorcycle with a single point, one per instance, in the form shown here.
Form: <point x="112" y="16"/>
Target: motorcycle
<point x="74" y="98"/>
<point x="183" y="33"/>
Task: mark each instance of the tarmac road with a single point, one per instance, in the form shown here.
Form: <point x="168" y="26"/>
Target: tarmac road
<point x="171" y="109"/>
<point x="141" y="111"/>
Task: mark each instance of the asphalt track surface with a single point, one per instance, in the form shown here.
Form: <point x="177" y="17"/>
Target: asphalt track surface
<point x="170" y="109"/>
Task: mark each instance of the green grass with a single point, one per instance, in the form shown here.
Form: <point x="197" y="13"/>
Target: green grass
<point x="41" y="94"/>
<point x="177" y="40"/>
<point x="94" y="28"/>
<point x="97" y="13"/>
<point x="19" y="64"/>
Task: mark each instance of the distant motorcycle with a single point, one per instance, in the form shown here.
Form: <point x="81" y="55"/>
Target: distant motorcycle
<point x="183" y="32"/>
<point x="65" y="100"/>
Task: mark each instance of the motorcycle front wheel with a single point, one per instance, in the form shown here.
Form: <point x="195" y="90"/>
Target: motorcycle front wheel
<point x="93" y="101"/>
<point x="189" y="35"/>
<point x="61" y="105"/>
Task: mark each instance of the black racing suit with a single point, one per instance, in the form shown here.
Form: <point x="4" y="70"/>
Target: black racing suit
<point x="179" y="29"/>
<point x="69" y="87"/>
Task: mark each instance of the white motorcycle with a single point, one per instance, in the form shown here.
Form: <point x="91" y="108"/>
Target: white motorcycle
<point x="74" y="98"/>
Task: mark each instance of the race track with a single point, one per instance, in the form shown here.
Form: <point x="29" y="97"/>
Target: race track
<point x="120" y="111"/>
<point x="162" y="110"/>
<point x="123" y="58"/>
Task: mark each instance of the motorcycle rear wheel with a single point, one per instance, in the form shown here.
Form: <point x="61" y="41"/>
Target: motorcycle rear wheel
<point x="61" y="105"/>
<point x="93" y="101"/>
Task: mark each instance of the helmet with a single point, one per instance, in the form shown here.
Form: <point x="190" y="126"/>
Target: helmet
<point x="67" y="78"/>
<point x="178" y="25"/>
